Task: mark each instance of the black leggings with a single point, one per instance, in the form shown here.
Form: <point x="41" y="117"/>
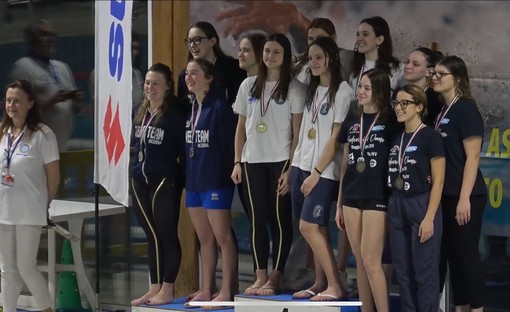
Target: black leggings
<point x="157" y="210"/>
<point x="459" y="249"/>
<point x="265" y="208"/>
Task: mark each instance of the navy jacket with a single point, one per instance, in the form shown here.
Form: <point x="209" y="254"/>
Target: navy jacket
<point x="163" y="150"/>
<point x="211" y="164"/>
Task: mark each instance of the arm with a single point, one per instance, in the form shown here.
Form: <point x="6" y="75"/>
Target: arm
<point x="326" y="158"/>
<point x="339" y="217"/>
<point x="283" y="181"/>
<point x="437" y="165"/>
<point x="239" y="141"/>
<point x="52" y="179"/>
<point x="472" y="146"/>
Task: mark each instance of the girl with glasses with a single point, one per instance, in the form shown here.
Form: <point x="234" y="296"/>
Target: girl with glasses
<point x="416" y="165"/>
<point x="203" y="42"/>
<point x="465" y="194"/>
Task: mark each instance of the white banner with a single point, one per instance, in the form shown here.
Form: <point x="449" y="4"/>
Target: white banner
<point x="112" y="95"/>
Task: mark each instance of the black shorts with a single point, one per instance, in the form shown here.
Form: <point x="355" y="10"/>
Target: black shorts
<point x="365" y="204"/>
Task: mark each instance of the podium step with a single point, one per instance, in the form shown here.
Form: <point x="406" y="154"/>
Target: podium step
<point x="176" y="306"/>
<point x="281" y="299"/>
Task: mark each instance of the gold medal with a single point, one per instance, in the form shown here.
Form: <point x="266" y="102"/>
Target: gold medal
<point x="360" y="164"/>
<point x="140" y="156"/>
<point x="261" y="127"/>
<point x="312" y="134"/>
<point x="399" y="183"/>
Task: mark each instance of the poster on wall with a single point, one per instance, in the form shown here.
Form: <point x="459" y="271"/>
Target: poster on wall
<point x="462" y="28"/>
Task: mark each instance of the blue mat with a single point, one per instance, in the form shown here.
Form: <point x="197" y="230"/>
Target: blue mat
<point x="178" y="304"/>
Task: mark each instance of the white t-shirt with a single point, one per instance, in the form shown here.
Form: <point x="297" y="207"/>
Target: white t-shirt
<point x="26" y="202"/>
<point x="396" y="78"/>
<point x="273" y="145"/>
<point x="45" y="83"/>
<point x="309" y="151"/>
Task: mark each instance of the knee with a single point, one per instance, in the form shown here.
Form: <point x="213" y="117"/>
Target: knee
<point x="307" y="228"/>
<point x="371" y="265"/>
<point x="225" y="240"/>
<point x="26" y="270"/>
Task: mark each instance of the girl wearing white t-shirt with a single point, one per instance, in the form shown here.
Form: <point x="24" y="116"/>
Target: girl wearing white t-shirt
<point x="374" y="49"/>
<point x="29" y="181"/>
<point x="270" y="108"/>
<point x="316" y="163"/>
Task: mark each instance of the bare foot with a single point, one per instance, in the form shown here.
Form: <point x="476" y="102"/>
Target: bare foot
<point x="223" y="296"/>
<point x="252" y="290"/>
<point x="164" y="296"/>
<point x="200" y="296"/>
<point x="153" y="290"/>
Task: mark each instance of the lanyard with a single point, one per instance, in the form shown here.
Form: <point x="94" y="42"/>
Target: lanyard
<point x="50" y="68"/>
<point x="401" y="153"/>
<point x="196" y="111"/>
<point x="145" y="124"/>
<point x="445" y="111"/>
<point x="316" y="105"/>
<point x="9" y="151"/>
<point x="264" y="106"/>
<point x="363" y="141"/>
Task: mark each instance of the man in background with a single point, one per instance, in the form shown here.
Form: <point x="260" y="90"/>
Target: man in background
<point x="52" y="80"/>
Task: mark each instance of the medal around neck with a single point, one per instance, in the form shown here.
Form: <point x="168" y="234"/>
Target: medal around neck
<point x="399" y="183"/>
<point x="140" y="156"/>
<point x="360" y="164"/>
<point x="261" y="127"/>
<point x="312" y="134"/>
<point x="191" y="152"/>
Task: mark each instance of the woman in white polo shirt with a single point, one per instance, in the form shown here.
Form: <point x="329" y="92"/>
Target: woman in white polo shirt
<point x="270" y="108"/>
<point x="29" y="181"/>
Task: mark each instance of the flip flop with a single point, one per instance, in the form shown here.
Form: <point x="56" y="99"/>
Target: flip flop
<point x="325" y="297"/>
<point x="191" y="296"/>
<point x="306" y="294"/>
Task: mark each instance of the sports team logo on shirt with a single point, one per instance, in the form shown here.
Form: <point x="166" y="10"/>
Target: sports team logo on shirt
<point x="215" y="196"/>
<point x="188" y="123"/>
<point x="251" y="99"/>
<point x="325" y="108"/>
<point x="378" y="128"/>
<point x="355" y="127"/>
<point x="445" y="121"/>
<point x="24" y="148"/>
<point x="279" y="100"/>
<point x="318" y="211"/>
<point x="411" y="149"/>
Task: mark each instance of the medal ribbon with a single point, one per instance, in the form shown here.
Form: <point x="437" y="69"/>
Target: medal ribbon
<point x="264" y="106"/>
<point x="445" y="111"/>
<point x="316" y="105"/>
<point x="401" y="153"/>
<point x="364" y="141"/>
<point x="9" y="152"/>
<point x="196" y="111"/>
<point x="145" y="125"/>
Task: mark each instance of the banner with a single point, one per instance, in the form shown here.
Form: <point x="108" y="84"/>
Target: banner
<point x="112" y="77"/>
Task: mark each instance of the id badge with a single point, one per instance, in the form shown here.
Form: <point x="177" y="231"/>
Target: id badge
<point x="8" y="179"/>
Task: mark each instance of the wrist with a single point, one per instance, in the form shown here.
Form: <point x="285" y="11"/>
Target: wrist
<point x="237" y="163"/>
<point x="317" y="170"/>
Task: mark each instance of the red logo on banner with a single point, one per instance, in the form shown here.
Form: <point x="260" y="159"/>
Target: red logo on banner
<point x="113" y="137"/>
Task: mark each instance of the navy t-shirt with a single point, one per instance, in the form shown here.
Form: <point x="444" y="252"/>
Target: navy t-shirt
<point x="371" y="183"/>
<point x="416" y="171"/>
<point x="462" y="121"/>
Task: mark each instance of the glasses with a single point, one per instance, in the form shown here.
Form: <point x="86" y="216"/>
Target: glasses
<point x="196" y="40"/>
<point x="438" y="75"/>
<point x="403" y="104"/>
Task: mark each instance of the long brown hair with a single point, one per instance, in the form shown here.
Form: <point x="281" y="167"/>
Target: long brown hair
<point x="33" y="119"/>
<point x="169" y="96"/>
